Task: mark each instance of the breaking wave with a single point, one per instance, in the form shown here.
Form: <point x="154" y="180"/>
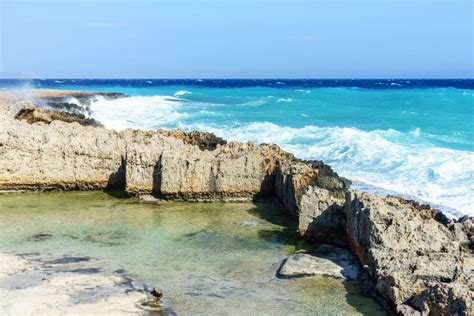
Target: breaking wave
<point x="137" y="112"/>
<point x="380" y="161"/>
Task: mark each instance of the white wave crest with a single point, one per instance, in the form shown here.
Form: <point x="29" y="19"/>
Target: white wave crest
<point x="181" y="93"/>
<point x="441" y="176"/>
<point x="287" y="100"/>
<point x="137" y="112"/>
<point x="402" y="162"/>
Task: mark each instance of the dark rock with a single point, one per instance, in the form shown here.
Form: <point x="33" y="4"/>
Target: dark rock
<point x="47" y="116"/>
<point x="41" y="237"/>
<point x="157" y="292"/>
<point x="204" y="140"/>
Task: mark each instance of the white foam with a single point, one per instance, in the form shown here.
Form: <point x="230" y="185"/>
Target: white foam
<point x="287" y="100"/>
<point x="441" y="176"/>
<point x="302" y="90"/>
<point x="137" y="112"/>
<point x="405" y="163"/>
<point x="181" y="93"/>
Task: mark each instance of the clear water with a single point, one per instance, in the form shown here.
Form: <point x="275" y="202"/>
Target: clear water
<point x="208" y="258"/>
<point x="412" y="137"/>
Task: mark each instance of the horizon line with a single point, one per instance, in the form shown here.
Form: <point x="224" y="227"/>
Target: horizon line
<point x="206" y="79"/>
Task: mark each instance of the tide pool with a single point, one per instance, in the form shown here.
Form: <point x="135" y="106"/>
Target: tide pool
<point x="208" y="258"/>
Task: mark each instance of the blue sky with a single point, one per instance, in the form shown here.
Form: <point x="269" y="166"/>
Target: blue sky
<point x="237" y="39"/>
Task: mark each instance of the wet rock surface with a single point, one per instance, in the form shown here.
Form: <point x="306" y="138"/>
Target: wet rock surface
<point x="47" y="116"/>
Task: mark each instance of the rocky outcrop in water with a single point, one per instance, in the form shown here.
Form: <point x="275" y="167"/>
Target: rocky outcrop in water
<point x="28" y="112"/>
<point x="417" y="258"/>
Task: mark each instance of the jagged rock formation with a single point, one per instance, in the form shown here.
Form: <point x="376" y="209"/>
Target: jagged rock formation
<point x="418" y="259"/>
<point x="314" y="194"/>
<point x="28" y="112"/>
<point x="415" y="255"/>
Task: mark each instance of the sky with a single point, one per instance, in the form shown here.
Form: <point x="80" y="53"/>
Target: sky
<point x="236" y="39"/>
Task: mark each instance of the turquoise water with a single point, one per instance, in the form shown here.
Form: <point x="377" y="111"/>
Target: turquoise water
<point x="208" y="258"/>
<point x="414" y="138"/>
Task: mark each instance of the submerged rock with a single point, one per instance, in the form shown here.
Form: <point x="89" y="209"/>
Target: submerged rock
<point x="41" y="237"/>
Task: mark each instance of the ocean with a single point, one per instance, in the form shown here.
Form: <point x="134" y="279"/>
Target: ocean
<point x="408" y="137"/>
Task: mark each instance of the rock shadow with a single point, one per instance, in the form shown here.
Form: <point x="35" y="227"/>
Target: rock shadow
<point x="328" y="227"/>
<point x="117" y="182"/>
<point x="273" y="212"/>
<point x="156" y="187"/>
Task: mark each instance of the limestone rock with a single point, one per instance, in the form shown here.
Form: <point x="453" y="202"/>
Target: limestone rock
<point x="34" y="115"/>
<point x="30" y="287"/>
<point x="314" y="195"/>
<point x="21" y="106"/>
<point x="414" y="258"/>
<point x="324" y="260"/>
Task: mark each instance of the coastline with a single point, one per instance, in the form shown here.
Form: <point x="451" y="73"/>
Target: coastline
<point x="51" y="154"/>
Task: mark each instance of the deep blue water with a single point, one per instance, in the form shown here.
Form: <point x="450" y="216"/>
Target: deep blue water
<point x="245" y="83"/>
<point x="414" y="137"/>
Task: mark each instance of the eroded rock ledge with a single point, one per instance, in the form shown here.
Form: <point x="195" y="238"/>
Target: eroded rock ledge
<point x="417" y="258"/>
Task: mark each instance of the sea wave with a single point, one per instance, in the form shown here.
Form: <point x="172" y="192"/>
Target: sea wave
<point x="181" y="93"/>
<point x="386" y="160"/>
<point x="380" y="159"/>
<point x="138" y="112"/>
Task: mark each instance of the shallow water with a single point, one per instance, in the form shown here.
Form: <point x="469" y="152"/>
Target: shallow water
<point x="208" y="258"/>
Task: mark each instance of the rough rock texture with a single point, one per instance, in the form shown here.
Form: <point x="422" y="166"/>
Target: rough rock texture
<point x="314" y="195"/>
<point x="54" y="154"/>
<point x="33" y="115"/>
<point x="204" y="140"/>
<point x="412" y="252"/>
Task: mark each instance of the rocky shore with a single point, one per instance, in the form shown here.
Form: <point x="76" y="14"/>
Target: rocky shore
<point x="418" y="260"/>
